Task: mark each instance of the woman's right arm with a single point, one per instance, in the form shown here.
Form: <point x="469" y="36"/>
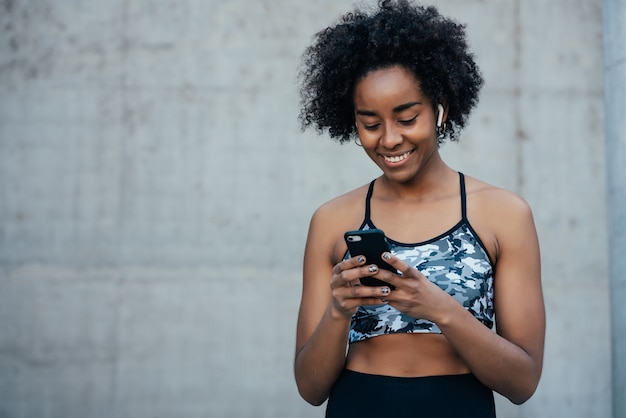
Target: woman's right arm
<point x="328" y="302"/>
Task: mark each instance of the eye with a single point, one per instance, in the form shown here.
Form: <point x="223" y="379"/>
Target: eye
<point x="407" y="122"/>
<point x="371" y="127"/>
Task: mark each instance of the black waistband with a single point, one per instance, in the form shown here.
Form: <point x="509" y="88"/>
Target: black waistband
<point x="364" y="395"/>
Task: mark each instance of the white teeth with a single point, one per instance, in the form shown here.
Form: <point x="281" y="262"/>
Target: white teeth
<point x="397" y="158"/>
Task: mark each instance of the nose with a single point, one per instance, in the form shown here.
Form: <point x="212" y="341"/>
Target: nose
<point x="391" y="136"/>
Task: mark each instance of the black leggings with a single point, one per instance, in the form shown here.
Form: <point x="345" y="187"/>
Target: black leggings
<point x="371" y="396"/>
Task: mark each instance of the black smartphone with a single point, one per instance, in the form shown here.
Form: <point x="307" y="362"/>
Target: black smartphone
<point x="370" y="243"/>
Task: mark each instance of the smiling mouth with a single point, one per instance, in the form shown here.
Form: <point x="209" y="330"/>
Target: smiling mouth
<point x="397" y="158"/>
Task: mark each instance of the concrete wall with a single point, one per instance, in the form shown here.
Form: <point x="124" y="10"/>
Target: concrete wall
<point x="614" y="40"/>
<point x="155" y="192"/>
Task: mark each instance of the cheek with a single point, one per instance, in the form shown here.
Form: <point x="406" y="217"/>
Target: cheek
<point x="369" y="137"/>
<point x="424" y="130"/>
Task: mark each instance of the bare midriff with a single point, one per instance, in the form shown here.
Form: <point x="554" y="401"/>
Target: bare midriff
<point x="405" y="355"/>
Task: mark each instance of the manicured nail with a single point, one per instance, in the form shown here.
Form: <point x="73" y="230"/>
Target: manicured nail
<point x="373" y="269"/>
<point x="361" y="259"/>
<point x="386" y="256"/>
<point x="385" y="290"/>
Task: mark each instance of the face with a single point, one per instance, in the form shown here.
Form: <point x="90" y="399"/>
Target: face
<point x="396" y="123"/>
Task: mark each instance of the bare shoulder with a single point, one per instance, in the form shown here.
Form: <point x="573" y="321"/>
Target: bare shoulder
<point x="492" y="200"/>
<point x="343" y="209"/>
<point x="331" y="220"/>
<point x="499" y="216"/>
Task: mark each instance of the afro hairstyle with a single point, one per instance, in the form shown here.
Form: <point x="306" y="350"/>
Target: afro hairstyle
<point x="431" y="46"/>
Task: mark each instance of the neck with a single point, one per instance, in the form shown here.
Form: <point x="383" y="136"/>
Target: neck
<point x="428" y="183"/>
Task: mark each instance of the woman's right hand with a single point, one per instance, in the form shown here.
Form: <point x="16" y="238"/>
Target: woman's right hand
<point x="346" y="289"/>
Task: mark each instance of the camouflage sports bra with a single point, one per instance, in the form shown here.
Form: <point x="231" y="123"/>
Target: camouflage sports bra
<point x="456" y="261"/>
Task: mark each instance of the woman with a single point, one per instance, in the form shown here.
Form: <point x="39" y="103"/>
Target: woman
<point x="400" y="80"/>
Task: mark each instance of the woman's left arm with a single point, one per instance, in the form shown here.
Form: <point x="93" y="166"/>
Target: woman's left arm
<point x="509" y="361"/>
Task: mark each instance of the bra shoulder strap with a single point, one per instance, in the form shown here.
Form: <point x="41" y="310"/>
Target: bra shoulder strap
<point x="463" y="196"/>
<point x="367" y="202"/>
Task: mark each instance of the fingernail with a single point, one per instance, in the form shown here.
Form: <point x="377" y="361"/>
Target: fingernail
<point x="385" y="290"/>
<point x="361" y="259"/>
<point x="386" y="256"/>
<point x="373" y="269"/>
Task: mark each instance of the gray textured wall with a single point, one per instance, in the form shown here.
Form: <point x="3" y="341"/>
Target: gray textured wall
<point x="614" y="40"/>
<point x="155" y="192"/>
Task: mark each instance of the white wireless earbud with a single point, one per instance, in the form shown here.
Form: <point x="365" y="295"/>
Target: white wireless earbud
<point x="439" y="115"/>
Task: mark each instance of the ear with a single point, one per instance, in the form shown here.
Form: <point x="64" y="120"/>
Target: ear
<point x="440" y="112"/>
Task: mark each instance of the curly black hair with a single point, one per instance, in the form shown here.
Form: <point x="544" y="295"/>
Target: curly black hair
<point x="418" y="38"/>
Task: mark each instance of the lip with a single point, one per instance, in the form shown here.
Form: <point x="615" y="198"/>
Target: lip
<point x="396" y="160"/>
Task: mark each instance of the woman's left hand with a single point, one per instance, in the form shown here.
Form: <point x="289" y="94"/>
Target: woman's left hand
<point x="414" y="294"/>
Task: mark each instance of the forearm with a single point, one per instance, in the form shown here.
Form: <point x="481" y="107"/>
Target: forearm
<point x="498" y="363"/>
<point x="320" y="361"/>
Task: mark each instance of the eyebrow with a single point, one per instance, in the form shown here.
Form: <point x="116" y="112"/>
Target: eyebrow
<point x="396" y="109"/>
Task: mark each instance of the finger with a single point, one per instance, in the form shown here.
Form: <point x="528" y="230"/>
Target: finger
<point x="366" y="294"/>
<point x="346" y="273"/>
<point x="374" y="271"/>
<point x="378" y="300"/>
<point x="399" y="278"/>
<point x="381" y="274"/>
<point x="348" y="264"/>
<point x="405" y="269"/>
